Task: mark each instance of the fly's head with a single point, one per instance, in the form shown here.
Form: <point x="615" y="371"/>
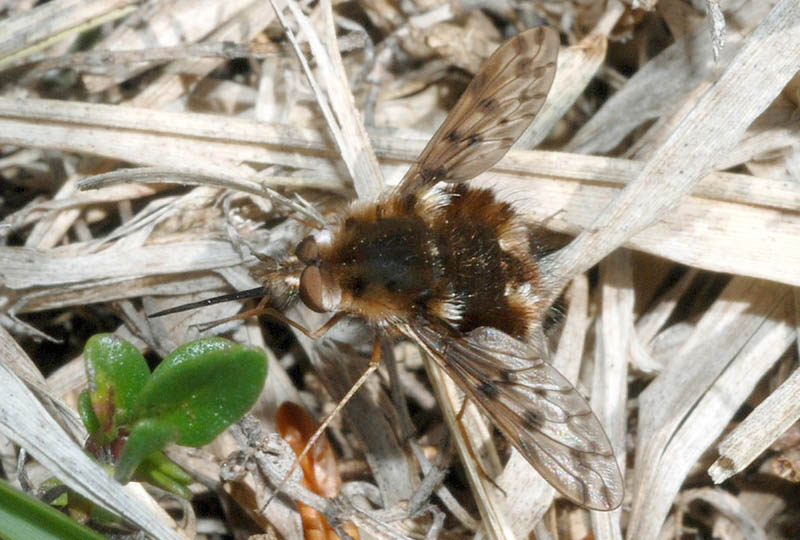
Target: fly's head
<point x="319" y="289"/>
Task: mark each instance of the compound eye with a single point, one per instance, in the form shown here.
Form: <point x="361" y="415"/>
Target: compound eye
<point x="308" y="251"/>
<point x="311" y="288"/>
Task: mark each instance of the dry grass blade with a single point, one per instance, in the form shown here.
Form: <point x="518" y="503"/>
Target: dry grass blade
<point x="609" y="389"/>
<point x="714" y="125"/>
<point x="36" y="29"/>
<point x="347" y="128"/>
<point x="686" y="408"/>
<point x="244" y="26"/>
<point x="743" y="523"/>
<point x="760" y="429"/>
<point x="174" y="23"/>
<point x="651" y="93"/>
<point x="701" y="232"/>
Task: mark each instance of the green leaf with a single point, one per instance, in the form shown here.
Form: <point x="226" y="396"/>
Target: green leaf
<point x="159" y="470"/>
<point x="117" y="372"/>
<point x="150" y="471"/>
<point x="81" y="509"/>
<point x="22" y="518"/>
<point x="169" y="468"/>
<point x="87" y="415"/>
<point x="53" y="487"/>
<point x="203" y="387"/>
<point x="157" y="478"/>
<point x="147" y="436"/>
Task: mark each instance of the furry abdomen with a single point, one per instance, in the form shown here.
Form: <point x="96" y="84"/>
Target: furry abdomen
<point x="454" y="255"/>
<point x="486" y="251"/>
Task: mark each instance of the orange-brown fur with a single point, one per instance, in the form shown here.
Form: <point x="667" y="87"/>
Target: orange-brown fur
<point x="453" y="254"/>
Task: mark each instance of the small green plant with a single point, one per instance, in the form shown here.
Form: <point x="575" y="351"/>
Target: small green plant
<point x="23" y="517"/>
<point x="195" y="393"/>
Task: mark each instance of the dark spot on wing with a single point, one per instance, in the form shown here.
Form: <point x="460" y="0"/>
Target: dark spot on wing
<point x="509" y="375"/>
<point x="453" y="136"/>
<point x="540" y="71"/>
<point x="431" y="175"/>
<point x="475" y="139"/>
<point x="524" y="66"/>
<point x="532" y="419"/>
<point x="489" y="389"/>
<point x="488" y="105"/>
<point x="519" y="44"/>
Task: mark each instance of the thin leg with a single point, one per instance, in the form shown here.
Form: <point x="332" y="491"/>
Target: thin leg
<point x="463" y="409"/>
<point x="481" y="470"/>
<point x="262" y="309"/>
<point x="374" y="362"/>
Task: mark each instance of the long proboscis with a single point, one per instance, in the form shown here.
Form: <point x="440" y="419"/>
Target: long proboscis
<point x="250" y="293"/>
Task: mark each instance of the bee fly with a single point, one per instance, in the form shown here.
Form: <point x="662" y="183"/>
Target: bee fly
<point x="455" y="271"/>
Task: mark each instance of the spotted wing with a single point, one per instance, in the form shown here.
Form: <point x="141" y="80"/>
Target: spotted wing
<point x="494" y="110"/>
<point x="535" y="407"/>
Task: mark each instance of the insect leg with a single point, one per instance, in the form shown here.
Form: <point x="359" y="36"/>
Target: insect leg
<point x="261" y="309"/>
<point x="373" y="365"/>
<point x="471" y="450"/>
<point x="312" y="334"/>
<point x="463" y="409"/>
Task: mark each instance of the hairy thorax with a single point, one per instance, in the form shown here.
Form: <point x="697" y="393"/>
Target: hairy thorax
<point x="453" y="254"/>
